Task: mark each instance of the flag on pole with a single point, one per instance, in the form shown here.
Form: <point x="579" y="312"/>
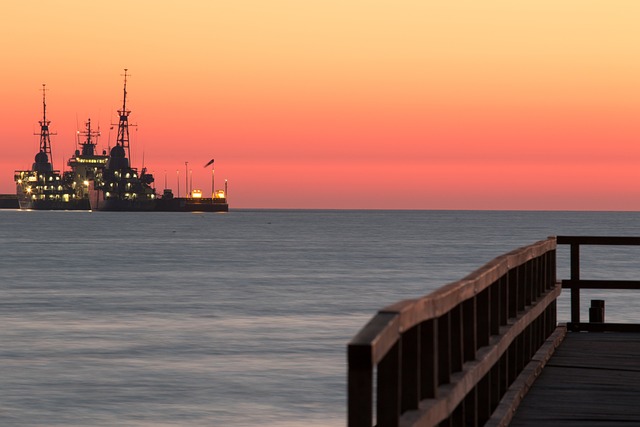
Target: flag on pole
<point x="210" y="162"/>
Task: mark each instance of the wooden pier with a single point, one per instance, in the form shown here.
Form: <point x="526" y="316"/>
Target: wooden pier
<point x="468" y="353"/>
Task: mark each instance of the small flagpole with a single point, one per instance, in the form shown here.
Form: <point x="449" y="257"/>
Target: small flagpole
<point x="186" y="179"/>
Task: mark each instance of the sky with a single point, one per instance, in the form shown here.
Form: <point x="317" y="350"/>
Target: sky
<point x="343" y="104"/>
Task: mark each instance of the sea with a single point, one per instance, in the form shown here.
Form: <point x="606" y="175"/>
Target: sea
<point x="240" y="318"/>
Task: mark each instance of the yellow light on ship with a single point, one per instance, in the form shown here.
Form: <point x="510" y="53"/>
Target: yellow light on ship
<point x="196" y="194"/>
<point x="19" y="181"/>
<point x="86" y="183"/>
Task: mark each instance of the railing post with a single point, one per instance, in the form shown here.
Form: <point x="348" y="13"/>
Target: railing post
<point x="444" y="348"/>
<point x="456" y="337"/>
<point x="575" y="276"/>
<point x="469" y="329"/>
<point x="429" y="359"/>
<point x="504" y="299"/>
<point x="512" y="293"/>
<point x="410" y="369"/>
<point x="596" y="311"/>
<point x="360" y="385"/>
<point x="484" y="320"/>
<point x="388" y="388"/>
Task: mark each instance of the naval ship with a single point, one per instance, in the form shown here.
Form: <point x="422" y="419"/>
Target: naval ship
<point x="85" y="164"/>
<point x="118" y="186"/>
<point x="42" y="187"/>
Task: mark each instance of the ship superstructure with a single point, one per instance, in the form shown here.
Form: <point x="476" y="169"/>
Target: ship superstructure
<point x="119" y="186"/>
<point x="42" y="187"/>
<point x="85" y="164"/>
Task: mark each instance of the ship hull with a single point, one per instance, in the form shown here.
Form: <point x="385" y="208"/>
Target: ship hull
<point x="191" y="205"/>
<point x="118" y="205"/>
<point x="55" y="205"/>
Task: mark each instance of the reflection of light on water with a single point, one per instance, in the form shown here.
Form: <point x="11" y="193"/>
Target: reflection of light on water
<point x="234" y="320"/>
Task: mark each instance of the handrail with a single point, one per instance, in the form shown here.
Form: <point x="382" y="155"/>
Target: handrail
<point x="575" y="283"/>
<point x="452" y="354"/>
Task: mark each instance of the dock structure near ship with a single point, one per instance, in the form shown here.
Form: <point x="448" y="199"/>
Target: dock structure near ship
<point x="487" y="350"/>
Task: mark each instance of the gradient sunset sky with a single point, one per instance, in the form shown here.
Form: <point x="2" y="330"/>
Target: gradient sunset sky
<point x="411" y="104"/>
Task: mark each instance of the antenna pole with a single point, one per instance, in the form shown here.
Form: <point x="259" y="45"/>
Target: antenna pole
<point x="45" y="135"/>
<point x="123" y="124"/>
<point x="186" y="178"/>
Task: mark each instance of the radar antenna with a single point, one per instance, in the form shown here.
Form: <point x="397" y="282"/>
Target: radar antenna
<point x="91" y="138"/>
<point x="45" y="135"/>
<point x="123" y="124"/>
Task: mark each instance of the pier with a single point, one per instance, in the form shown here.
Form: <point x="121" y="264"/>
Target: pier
<point x="488" y="350"/>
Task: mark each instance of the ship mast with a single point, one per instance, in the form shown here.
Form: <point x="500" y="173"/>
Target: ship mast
<point x="45" y="135"/>
<point x="123" y="124"/>
<point x="88" y="144"/>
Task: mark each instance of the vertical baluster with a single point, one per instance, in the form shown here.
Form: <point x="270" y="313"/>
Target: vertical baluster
<point x="444" y="348"/>
<point x="483" y="319"/>
<point x="471" y="408"/>
<point x="504" y="299"/>
<point x="575" y="290"/>
<point x="494" y="307"/>
<point x="521" y="299"/>
<point x="527" y="282"/>
<point x="456" y="338"/>
<point x="410" y="370"/>
<point x="429" y="359"/>
<point x="469" y="329"/>
<point x="485" y="390"/>
<point x="513" y="293"/>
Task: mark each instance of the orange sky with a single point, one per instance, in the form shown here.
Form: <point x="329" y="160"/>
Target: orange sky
<point x="341" y="103"/>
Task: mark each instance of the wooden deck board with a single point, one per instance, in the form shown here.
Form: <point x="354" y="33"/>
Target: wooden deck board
<point x="592" y="379"/>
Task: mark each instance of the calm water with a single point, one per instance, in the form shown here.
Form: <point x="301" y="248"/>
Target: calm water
<point x="238" y="319"/>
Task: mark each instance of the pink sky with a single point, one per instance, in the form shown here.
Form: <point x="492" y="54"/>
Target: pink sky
<point x="342" y="104"/>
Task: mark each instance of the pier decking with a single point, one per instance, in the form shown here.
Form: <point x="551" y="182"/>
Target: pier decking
<point x="487" y="350"/>
<point x="592" y="379"/>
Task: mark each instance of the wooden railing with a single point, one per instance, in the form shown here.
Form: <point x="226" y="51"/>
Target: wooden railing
<point x="575" y="282"/>
<point x="448" y="358"/>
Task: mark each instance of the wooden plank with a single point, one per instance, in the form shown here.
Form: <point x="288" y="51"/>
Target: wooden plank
<point x="604" y="327"/>
<point x="592" y="377"/>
